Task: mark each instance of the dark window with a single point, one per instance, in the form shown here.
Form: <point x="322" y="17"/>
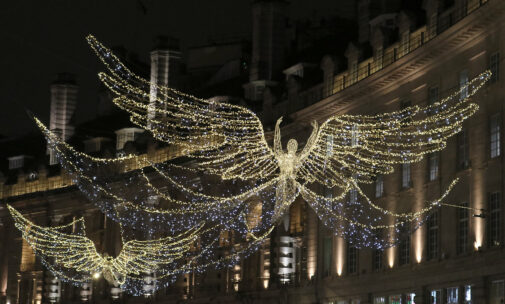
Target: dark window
<point x="494" y="135"/>
<point x="494" y="66"/>
<point x="432" y="239"/>
<point x="433" y="159"/>
<point x="352" y="259"/>
<point x="327" y="250"/>
<point x="494" y="207"/>
<point x="463" y="150"/>
<point x="462" y="245"/>
<point x="404" y="250"/>
<point x="378" y="256"/>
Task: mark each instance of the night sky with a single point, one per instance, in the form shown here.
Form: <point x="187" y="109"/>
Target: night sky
<point x="42" y="38"/>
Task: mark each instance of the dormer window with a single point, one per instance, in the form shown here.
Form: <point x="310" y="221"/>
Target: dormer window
<point x="18" y="161"/>
<point x="125" y="135"/>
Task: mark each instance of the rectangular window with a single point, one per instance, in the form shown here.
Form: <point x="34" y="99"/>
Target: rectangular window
<point x="494" y="207"/>
<point x="433" y="25"/>
<point x="494" y="66"/>
<point x="452" y="295"/>
<point x="404" y="250"/>
<point x="352" y="259"/>
<point x="406" y="43"/>
<point x="467" y="296"/>
<point x="379" y="186"/>
<point x="463" y="81"/>
<point x="433" y="166"/>
<point x="462" y="245"/>
<point x="436" y="297"/>
<point x="395" y="299"/>
<point x="410" y="298"/>
<point x="432" y="95"/>
<point x="327" y="252"/>
<point x="497" y="295"/>
<point x="353" y="196"/>
<point x="379" y="54"/>
<point x="379" y="300"/>
<point x="378" y="257"/>
<point x="432" y="230"/>
<point x="494" y="135"/>
<point x="463" y="150"/>
<point x="406" y="181"/>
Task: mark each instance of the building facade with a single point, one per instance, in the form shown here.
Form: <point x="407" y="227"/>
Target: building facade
<point x="457" y="256"/>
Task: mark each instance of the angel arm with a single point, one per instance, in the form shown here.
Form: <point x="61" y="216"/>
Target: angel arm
<point x="310" y="142"/>
<point x="277" y="137"/>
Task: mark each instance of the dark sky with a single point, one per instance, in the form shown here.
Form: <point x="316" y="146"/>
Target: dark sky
<point x="42" y="38"/>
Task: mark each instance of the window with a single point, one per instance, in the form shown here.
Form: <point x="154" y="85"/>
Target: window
<point x="494" y="66"/>
<point x="463" y="81"/>
<point x="352" y="259"/>
<point x="494" y="207"/>
<point x="379" y="54"/>
<point x="432" y="95"/>
<point x="452" y="295"/>
<point x="463" y="150"/>
<point x="432" y="230"/>
<point x="410" y="298"/>
<point x="436" y="297"/>
<point x="327" y="252"/>
<point x="353" y="196"/>
<point x="395" y="299"/>
<point x="462" y="245"/>
<point x="433" y="25"/>
<point x="494" y="135"/>
<point x="404" y="250"/>
<point x="497" y="295"/>
<point x="378" y="257"/>
<point x="379" y="300"/>
<point x="379" y="186"/>
<point x="405" y="43"/>
<point x="406" y="181"/>
<point x="433" y="166"/>
<point x="467" y="296"/>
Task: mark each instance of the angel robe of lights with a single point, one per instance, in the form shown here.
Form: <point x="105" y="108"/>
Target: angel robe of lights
<point x="344" y="152"/>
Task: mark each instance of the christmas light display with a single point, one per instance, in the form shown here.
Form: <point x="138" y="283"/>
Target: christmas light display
<point x="73" y="256"/>
<point x="234" y="181"/>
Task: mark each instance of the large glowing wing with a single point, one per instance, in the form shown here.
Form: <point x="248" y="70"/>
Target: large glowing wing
<point x="361" y="147"/>
<point x="140" y="257"/>
<point x="69" y="255"/>
<point x="229" y="138"/>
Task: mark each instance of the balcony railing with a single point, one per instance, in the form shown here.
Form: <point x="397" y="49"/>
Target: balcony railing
<point x="396" y="51"/>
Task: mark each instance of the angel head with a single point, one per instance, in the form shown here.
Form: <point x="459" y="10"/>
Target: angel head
<point x="292" y="146"/>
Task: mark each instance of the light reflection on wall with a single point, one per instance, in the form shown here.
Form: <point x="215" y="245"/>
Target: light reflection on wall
<point x="391" y="256"/>
<point x="311" y="243"/>
<point x="339" y="255"/>
<point x="478" y="189"/>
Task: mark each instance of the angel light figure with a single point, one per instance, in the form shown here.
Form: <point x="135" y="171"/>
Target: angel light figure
<point x="342" y="153"/>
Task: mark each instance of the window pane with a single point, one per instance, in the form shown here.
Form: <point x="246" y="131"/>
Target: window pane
<point x="494" y="132"/>
<point x="406" y="182"/>
<point x="452" y="295"/>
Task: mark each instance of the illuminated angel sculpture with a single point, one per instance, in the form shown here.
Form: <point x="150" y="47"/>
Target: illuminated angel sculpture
<point x="71" y="256"/>
<point x="228" y="141"/>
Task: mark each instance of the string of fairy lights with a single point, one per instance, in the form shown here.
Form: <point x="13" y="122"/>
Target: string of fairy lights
<point x="184" y="210"/>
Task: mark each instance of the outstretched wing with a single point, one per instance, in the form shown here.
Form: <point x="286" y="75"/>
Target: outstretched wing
<point x="68" y="255"/>
<point x="158" y="255"/>
<point x="361" y="147"/>
<point x="228" y="139"/>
